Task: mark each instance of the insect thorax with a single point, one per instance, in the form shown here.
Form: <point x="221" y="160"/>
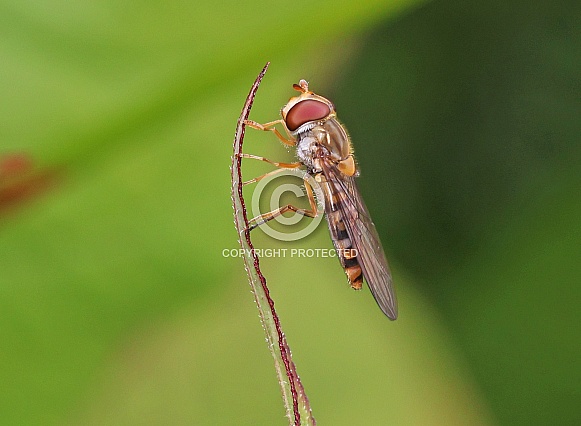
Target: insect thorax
<point x="323" y="139"/>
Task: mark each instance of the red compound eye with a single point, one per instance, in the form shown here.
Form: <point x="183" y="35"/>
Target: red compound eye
<point x="305" y="111"/>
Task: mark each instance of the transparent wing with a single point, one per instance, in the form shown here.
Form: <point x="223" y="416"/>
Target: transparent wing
<point x="364" y="238"/>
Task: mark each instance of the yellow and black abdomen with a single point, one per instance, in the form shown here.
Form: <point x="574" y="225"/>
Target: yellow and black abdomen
<point x="346" y="253"/>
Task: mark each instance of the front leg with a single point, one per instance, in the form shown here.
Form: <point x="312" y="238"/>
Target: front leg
<point x="269" y="127"/>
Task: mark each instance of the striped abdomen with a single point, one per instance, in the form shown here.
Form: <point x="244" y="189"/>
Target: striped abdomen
<point x="346" y="253"/>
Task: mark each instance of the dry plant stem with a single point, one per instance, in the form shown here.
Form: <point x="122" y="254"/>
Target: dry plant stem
<point x="296" y="402"/>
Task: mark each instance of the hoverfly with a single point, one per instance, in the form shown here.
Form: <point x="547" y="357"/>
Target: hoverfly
<point x="324" y="148"/>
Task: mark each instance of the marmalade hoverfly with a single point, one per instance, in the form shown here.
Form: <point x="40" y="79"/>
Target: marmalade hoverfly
<point x="324" y="148"/>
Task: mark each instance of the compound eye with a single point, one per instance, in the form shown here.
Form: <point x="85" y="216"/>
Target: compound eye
<point x="305" y="111"/>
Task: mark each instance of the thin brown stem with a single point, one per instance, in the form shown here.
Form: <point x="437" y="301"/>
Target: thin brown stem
<point x="297" y="405"/>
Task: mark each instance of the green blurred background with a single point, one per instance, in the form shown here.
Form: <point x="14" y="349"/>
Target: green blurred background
<point x="116" y="126"/>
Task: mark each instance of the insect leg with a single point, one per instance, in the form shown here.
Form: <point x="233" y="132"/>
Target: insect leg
<point x="311" y="196"/>
<point x="259" y="220"/>
<point x="269" y="127"/>
<point x="312" y="212"/>
<point x="274" y="163"/>
<point x="283" y="166"/>
<point x="256" y="179"/>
